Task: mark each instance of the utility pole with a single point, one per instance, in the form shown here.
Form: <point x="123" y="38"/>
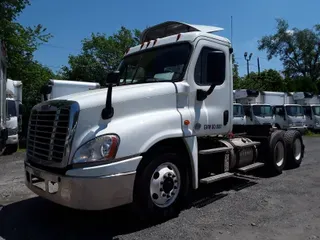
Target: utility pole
<point x="248" y="60"/>
<point x="258" y="62"/>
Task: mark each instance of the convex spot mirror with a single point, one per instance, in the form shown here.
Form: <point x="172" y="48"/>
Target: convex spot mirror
<point x="113" y="77"/>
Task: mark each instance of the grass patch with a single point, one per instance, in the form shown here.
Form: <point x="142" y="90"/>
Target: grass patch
<point x="309" y="133"/>
<point x="21" y="150"/>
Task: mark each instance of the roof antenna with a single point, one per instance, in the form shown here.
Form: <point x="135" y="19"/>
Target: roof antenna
<point x="231" y="31"/>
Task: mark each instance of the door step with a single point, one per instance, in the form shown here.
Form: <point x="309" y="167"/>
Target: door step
<point x="215" y="150"/>
<point x="216" y="178"/>
<point x="250" y="167"/>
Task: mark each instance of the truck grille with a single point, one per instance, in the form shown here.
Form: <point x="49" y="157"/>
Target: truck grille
<point x="48" y="134"/>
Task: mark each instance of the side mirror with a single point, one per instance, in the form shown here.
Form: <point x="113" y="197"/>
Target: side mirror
<point x="216" y="67"/>
<point x="113" y="77"/>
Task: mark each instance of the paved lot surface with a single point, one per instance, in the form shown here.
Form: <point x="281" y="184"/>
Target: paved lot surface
<point x="283" y="207"/>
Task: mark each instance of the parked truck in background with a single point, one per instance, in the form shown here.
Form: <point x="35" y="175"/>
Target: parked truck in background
<point x="58" y="88"/>
<point x="288" y="115"/>
<point x="256" y="109"/>
<point x="14" y="122"/>
<point x="161" y="128"/>
<point x="3" y="104"/>
<point x="310" y="103"/>
<point x="239" y="117"/>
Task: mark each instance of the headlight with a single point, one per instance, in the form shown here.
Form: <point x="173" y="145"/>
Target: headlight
<point x="102" y="148"/>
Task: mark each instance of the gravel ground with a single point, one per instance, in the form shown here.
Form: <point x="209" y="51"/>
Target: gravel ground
<point x="282" y="207"/>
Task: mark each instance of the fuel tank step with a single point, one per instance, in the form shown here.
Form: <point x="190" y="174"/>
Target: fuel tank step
<point x="250" y="167"/>
<point x="216" y="178"/>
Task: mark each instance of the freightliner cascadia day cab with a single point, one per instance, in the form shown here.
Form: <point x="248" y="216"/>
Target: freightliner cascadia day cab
<point x="161" y="128"/>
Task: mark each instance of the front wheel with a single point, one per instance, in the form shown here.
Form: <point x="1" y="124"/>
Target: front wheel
<point x="161" y="186"/>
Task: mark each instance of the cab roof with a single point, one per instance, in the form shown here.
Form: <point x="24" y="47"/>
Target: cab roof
<point x="172" y="32"/>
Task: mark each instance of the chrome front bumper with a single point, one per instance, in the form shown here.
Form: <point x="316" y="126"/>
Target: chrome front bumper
<point x="90" y="190"/>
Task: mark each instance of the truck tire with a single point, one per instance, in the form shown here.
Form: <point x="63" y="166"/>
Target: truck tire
<point x="276" y="159"/>
<point x="295" y="148"/>
<point x="161" y="186"/>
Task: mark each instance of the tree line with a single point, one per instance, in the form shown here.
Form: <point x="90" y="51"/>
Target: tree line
<point x="298" y="50"/>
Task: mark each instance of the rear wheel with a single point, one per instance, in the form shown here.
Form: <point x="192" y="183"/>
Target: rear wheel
<point x="161" y="186"/>
<point x="276" y="160"/>
<point x="295" y="148"/>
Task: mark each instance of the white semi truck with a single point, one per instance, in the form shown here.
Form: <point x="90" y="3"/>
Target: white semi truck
<point x="58" y="88"/>
<point x="256" y="109"/>
<point x="311" y="106"/>
<point x="288" y="115"/>
<point x="160" y="129"/>
<point x="14" y="121"/>
<point x="239" y="118"/>
<point x="3" y="93"/>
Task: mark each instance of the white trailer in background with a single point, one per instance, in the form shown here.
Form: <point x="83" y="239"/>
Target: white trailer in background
<point x="14" y="121"/>
<point x="288" y="115"/>
<point x="311" y="106"/>
<point x="58" y="88"/>
<point x="256" y="110"/>
<point x="3" y="104"/>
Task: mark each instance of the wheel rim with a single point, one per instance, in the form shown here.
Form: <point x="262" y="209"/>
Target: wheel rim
<point x="297" y="149"/>
<point x="165" y="185"/>
<point x="279" y="153"/>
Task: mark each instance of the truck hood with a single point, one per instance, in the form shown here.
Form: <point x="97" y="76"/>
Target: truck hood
<point x="297" y="120"/>
<point x="121" y="94"/>
<point x="265" y="120"/>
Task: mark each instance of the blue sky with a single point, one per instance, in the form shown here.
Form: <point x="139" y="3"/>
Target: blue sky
<point x="70" y="21"/>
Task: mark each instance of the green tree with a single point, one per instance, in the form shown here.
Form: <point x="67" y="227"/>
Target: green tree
<point x="21" y="43"/>
<point x="100" y="55"/>
<point x="268" y="80"/>
<point x="299" y="50"/>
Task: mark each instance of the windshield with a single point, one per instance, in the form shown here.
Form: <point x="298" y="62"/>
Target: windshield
<point x="11" y="108"/>
<point x="238" y="111"/>
<point x="316" y="110"/>
<point x="294" y="111"/>
<point x="166" y="63"/>
<point x="262" y="110"/>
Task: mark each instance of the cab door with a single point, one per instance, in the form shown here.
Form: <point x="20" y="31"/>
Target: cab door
<point x="209" y="70"/>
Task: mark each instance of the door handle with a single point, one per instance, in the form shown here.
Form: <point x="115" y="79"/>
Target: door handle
<point x="225" y="117"/>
